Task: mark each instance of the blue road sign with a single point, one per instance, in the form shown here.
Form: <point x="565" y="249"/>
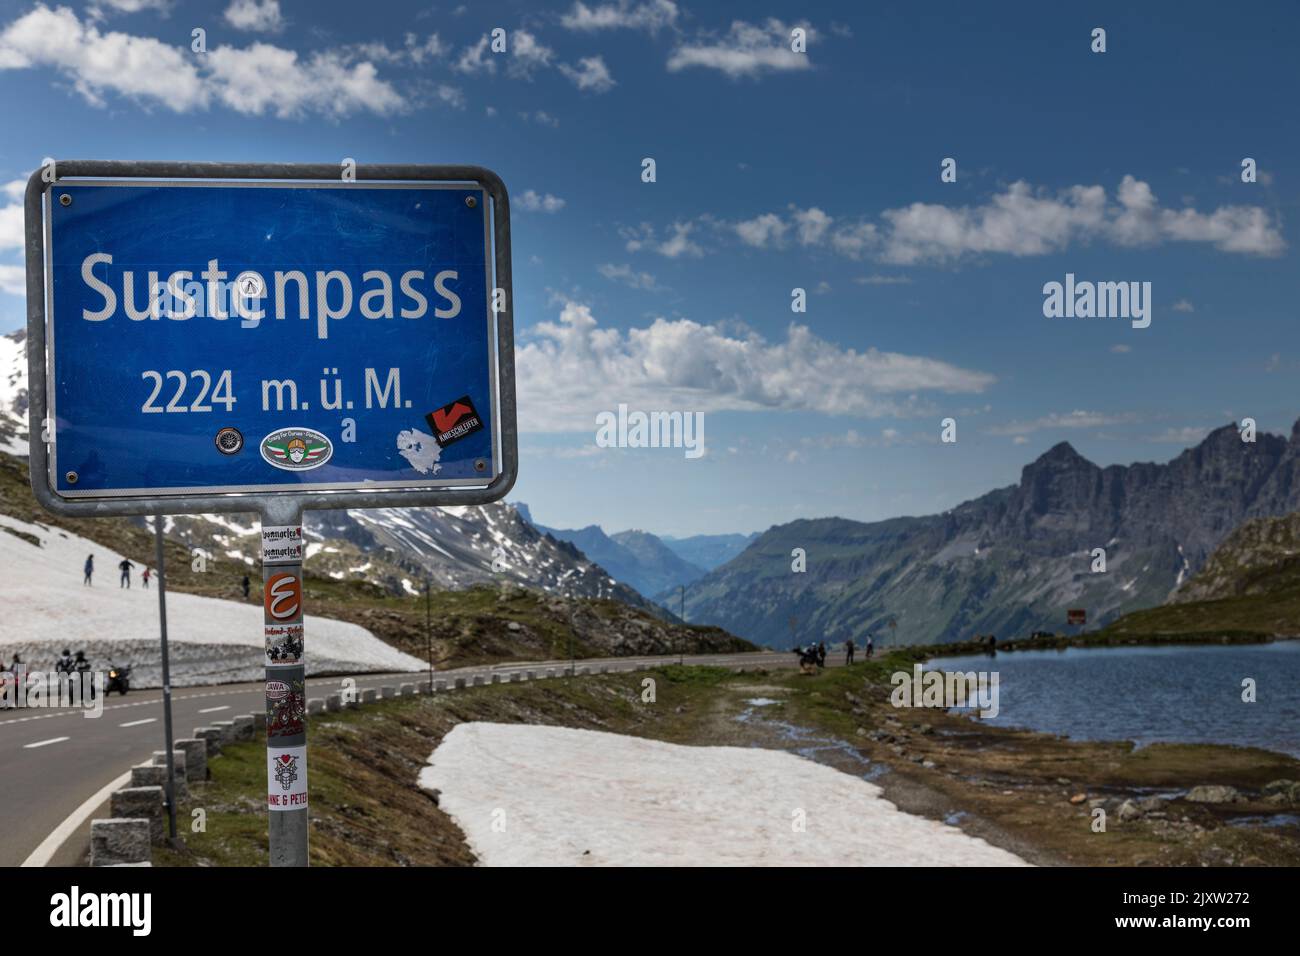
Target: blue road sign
<point x="213" y="337"/>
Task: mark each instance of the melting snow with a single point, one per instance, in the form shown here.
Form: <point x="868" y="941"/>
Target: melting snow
<point x="582" y="797"/>
<point x="45" y="607"/>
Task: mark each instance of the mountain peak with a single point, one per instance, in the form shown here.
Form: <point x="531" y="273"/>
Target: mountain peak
<point x="1062" y="453"/>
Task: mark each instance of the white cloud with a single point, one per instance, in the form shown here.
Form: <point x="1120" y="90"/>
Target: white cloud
<point x="673" y="246"/>
<point x="650" y="16"/>
<point x="883" y="280"/>
<point x="11" y="216"/>
<point x="1182" y="305"/>
<point x="412" y="52"/>
<point x="591" y="74"/>
<point x="628" y="276"/>
<point x="1056" y="420"/>
<point x="811" y="225"/>
<point x="1026" y="222"/>
<point x="746" y="51"/>
<point x="527" y="55"/>
<point x="808" y="226"/>
<point x="1016" y="222"/>
<point x="13" y="279"/>
<point x="129" y="6"/>
<point x="476" y="59"/>
<point x="99" y="62"/>
<point x="1020" y="440"/>
<point x="261" y="78"/>
<point x="761" y="231"/>
<point x="573" y="368"/>
<point x="1120" y="349"/>
<point x="532" y="201"/>
<point x="260" y="16"/>
<point x="1021" y="221"/>
<point x="541" y="118"/>
<point x="1187" y="435"/>
<point x="451" y="95"/>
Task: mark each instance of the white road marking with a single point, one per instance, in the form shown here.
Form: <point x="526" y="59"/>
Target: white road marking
<point x="137" y="723"/>
<point x="44" y="743"/>
<point x="42" y="855"/>
<point x="213" y="710"/>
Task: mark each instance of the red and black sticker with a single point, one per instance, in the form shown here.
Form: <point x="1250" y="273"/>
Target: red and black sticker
<point x="454" y="421"/>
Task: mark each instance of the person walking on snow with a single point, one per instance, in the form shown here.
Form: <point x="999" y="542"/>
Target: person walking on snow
<point x="144" y="577"/>
<point x="244" y="585"/>
<point x="89" y="569"/>
<point x="849" y="648"/>
<point x="125" y="567"/>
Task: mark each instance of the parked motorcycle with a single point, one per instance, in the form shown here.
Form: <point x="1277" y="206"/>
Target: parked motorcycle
<point x="119" y="679"/>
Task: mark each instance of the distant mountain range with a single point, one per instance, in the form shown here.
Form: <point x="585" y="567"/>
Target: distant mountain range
<point x="1011" y="561"/>
<point x="635" y="558"/>
<point x="708" y="551"/>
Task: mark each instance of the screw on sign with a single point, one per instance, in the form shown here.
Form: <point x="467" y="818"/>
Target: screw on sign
<point x="338" y="410"/>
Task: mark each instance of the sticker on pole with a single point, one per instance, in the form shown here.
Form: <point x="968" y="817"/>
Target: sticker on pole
<point x="213" y="337"/>
<point x="286" y="778"/>
<point x="282" y="544"/>
<point x="284" y="644"/>
<point x="286" y="708"/>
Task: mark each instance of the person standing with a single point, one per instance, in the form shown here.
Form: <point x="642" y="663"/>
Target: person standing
<point x="870" y="646"/>
<point x="849" y="648"/>
<point x="125" y="567"/>
<point x="81" y="667"/>
<point x="144" y="578"/>
<point x="821" y="653"/>
<point x="244" y="584"/>
<point x="89" y="569"/>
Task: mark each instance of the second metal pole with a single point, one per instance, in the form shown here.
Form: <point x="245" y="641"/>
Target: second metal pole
<point x="166" y="677"/>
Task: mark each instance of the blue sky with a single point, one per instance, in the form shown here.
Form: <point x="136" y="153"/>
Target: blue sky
<point x="775" y="170"/>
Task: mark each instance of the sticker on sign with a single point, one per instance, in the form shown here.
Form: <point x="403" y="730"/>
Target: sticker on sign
<point x="300" y="336"/>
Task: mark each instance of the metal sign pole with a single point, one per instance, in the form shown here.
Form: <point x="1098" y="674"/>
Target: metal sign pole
<point x="286" y="685"/>
<point x="166" y="678"/>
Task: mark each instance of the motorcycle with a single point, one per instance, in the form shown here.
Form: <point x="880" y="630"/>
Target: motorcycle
<point x="808" y="661"/>
<point x="119" y="679"/>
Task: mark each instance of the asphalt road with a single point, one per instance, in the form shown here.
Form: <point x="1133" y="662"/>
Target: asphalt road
<point x="55" y="760"/>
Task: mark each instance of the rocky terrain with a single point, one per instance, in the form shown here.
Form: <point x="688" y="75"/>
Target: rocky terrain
<point x="1012" y="561"/>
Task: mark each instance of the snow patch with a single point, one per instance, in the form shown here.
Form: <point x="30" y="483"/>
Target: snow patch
<point x="582" y="797"/>
<point x="45" y="608"/>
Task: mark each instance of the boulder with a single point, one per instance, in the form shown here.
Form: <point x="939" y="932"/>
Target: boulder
<point x="1129" y="811"/>
<point x="1213" y="793"/>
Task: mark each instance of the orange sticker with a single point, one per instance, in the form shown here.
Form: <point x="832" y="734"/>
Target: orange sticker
<point x="283" y="597"/>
